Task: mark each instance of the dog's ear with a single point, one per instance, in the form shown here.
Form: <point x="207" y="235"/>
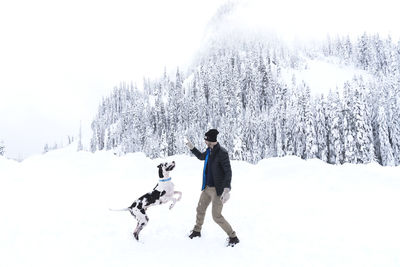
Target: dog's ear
<point x="160" y="173"/>
<point x="159" y="165"/>
<point x="171" y="168"/>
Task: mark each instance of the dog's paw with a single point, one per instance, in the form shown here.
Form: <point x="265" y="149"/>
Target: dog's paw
<point x="179" y="195"/>
<point x="136" y="236"/>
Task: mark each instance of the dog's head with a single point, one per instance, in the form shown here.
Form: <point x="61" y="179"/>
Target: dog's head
<point x="165" y="168"/>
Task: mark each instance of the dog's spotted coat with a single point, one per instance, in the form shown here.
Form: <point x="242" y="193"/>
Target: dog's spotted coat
<point x="162" y="193"/>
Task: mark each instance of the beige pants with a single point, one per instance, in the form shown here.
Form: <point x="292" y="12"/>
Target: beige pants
<point x="208" y="195"/>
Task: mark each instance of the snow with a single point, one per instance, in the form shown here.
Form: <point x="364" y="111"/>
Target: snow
<point x="323" y="74"/>
<point x="286" y="212"/>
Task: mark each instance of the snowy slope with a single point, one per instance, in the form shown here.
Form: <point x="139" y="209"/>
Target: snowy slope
<point x="286" y="211"/>
<point x="323" y="74"/>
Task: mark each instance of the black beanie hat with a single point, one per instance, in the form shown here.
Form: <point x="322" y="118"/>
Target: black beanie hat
<point x="211" y="135"/>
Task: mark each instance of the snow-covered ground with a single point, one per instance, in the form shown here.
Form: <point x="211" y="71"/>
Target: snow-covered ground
<point x="286" y="212"/>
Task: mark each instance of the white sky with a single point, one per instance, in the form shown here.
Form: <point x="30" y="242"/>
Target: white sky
<point x="305" y="19"/>
<point x="58" y="58"/>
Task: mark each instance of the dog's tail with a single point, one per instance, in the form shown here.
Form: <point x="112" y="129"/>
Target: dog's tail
<point x="126" y="209"/>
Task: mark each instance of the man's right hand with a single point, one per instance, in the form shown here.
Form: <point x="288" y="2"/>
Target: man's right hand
<point x="188" y="143"/>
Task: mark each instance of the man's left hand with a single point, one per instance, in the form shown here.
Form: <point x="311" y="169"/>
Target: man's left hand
<point x="225" y="195"/>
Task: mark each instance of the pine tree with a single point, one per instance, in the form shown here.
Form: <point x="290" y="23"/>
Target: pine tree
<point x="349" y="127"/>
<point x="364" y="52"/>
<point x="172" y="114"/>
<point x="80" y="146"/>
<point x="291" y="123"/>
<point x="395" y="131"/>
<point x="334" y="118"/>
<point x="321" y="128"/>
<point x="46" y="148"/>
<point x="385" y="149"/>
<point x="362" y="126"/>
<point x="348" y="50"/>
<point x="2" y="148"/>
<point x="311" y="147"/>
<point x="380" y="62"/>
<point x="236" y="119"/>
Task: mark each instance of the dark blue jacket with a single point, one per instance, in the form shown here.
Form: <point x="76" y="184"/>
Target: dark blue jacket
<point x="220" y="167"/>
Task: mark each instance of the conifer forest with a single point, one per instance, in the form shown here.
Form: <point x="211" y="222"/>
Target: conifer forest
<point x="238" y="88"/>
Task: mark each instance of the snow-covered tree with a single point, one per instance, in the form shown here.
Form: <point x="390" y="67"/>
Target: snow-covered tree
<point x="2" y="148"/>
<point x="361" y="125"/>
<point x="46" y="148"/>
<point x="321" y="129"/>
<point x="364" y="52"/>
<point x="310" y="135"/>
<point x="240" y="88"/>
<point x="334" y="120"/>
<point x="80" y="146"/>
<point x="385" y="149"/>
<point x="395" y="132"/>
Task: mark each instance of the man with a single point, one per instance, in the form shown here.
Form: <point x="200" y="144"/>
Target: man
<point x="216" y="186"/>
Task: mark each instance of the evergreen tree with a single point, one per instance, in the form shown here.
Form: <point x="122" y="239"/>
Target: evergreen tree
<point x="291" y="123"/>
<point x="348" y="50"/>
<point x="349" y="127"/>
<point x="362" y="127"/>
<point x="46" y="148"/>
<point x="334" y="119"/>
<point x="395" y="131"/>
<point x="385" y="149"/>
<point x="321" y="129"/>
<point x="80" y="146"/>
<point x="364" y="53"/>
<point x="311" y="147"/>
<point x="2" y="148"/>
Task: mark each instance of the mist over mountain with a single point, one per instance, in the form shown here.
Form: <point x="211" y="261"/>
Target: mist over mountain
<point x="337" y="99"/>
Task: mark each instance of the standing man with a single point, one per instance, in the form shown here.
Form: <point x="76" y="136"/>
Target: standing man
<point x="217" y="175"/>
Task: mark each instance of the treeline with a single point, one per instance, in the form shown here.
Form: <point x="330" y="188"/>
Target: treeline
<point x="239" y="89"/>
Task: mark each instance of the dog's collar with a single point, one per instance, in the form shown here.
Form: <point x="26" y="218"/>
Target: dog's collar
<point x="165" y="180"/>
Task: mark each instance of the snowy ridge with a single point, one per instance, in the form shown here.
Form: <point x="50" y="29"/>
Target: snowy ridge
<point x="286" y="211"/>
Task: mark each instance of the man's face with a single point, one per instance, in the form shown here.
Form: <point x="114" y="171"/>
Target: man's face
<point x="210" y="144"/>
<point x="207" y="143"/>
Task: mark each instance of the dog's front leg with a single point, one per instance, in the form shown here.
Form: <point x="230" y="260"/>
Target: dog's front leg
<point x="174" y="200"/>
<point x="179" y="193"/>
<point x="173" y="203"/>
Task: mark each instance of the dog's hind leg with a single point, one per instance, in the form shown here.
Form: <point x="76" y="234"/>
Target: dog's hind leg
<point x="137" y="231"/>
<point x="142" y="219"/>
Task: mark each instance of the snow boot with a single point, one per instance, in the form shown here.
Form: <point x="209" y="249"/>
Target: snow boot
<point x="232" y="241"/>
<point x="194" y="234"/>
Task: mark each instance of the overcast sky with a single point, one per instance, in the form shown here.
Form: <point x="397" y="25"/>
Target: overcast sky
<point x="59" y="58"/>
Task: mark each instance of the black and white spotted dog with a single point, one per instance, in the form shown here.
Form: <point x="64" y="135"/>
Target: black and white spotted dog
<point x="161" y="194"/>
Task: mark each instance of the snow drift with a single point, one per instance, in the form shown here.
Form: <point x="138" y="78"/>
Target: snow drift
<point x="286" y="212"/>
